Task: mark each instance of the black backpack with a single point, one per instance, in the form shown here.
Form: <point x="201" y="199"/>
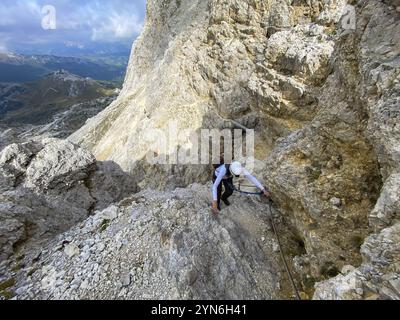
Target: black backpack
<point x="228" y="171"/>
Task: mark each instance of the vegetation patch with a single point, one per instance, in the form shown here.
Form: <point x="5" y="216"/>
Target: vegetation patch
<point x="357" y="241"/>
<point x="308" y="282"/>
<point x="329" y="270"/>
<point x="7" y="294"/>
<point x="104" y="225"/>
<point x="4" y="289"/>
<point x="7" y="284"/>
<point x="17" y="267"/>
<point x="31" y="272"/>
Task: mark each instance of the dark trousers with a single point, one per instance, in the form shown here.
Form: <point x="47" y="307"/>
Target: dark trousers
<point x="227" y="190"/>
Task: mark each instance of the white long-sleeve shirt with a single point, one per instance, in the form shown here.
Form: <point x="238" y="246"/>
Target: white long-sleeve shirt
<point x="221" y="173"/>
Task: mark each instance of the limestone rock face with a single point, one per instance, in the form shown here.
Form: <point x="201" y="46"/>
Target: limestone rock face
<point x="378" y="57"/>
<point x="57" y="162"/>
<point x="154" y="92"/>
<point x="160" y="246"/>
<point x="47" y="187"/>
<point x="319" y="85"/>
<point x="378" y="276"/>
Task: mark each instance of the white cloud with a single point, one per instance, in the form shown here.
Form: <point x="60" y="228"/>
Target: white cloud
<point x="116" y="26"/>
<point x="21" y="11"/>
<point x="78" y="22"/>
<point x="3" y="48"/>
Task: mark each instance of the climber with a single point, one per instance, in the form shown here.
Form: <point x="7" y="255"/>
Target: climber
<point x="223" y="174"/>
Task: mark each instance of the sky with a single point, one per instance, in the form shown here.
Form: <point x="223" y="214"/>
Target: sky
<point x="69" y="27"/>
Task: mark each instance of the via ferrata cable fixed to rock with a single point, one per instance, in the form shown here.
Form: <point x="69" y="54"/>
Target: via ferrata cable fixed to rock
<point x="244" y="192"/>
<point x="271" y="218"/>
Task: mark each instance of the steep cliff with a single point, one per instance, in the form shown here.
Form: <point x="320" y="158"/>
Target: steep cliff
<point x="319" y="83"/>
<point x="321" y="94"/>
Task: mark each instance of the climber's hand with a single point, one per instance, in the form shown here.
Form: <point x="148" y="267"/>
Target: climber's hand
<point x="214" y="207"/>
<point x="266" y="194"/>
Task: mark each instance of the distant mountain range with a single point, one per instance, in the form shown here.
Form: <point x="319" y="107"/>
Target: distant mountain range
<point x="26" y="68"/>
<point x="37" y="102"/>
<point x="56" y="105"/>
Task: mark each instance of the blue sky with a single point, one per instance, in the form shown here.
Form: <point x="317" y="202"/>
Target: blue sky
<point x="81" y="26"/>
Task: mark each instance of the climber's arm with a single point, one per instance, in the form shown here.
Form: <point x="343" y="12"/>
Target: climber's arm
<point x="257" y="183"/>
<point x="220" y="176"/>
<point x="253" y="180"/>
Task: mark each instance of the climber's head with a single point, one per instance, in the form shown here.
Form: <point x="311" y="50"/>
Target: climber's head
<point x="236" y="168"/>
